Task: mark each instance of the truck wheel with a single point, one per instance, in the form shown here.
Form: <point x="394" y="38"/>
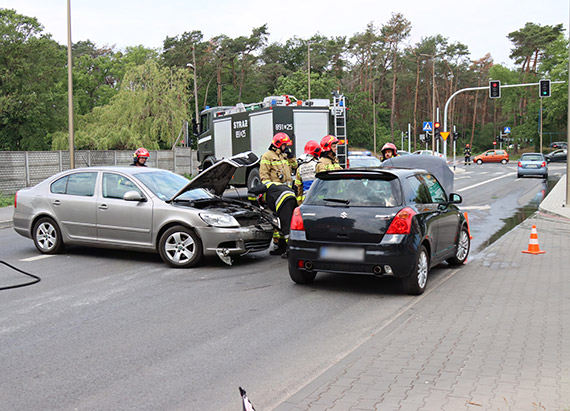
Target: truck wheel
<point x="253" y="178"/>
<point x="208" y="163"/>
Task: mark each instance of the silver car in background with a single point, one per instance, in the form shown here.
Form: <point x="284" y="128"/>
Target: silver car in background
<point x="144" y="209"/>
<point x="532" y="164"/>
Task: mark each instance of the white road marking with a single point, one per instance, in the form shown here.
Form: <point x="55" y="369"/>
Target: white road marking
<point x="38" y="257"/>
<point x="483" y="182"/>
<point x="484" y="207"/>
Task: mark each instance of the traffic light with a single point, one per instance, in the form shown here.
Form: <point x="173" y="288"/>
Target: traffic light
<point x="455" y="136"/>
<point x="436" y="129"/>
<point x="544" y="88"/>
<point x="495" y="89"/>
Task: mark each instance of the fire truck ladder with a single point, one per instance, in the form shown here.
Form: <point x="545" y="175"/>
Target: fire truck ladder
<point x="339" y="109"/>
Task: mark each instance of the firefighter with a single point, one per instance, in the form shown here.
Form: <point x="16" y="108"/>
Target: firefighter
<point x="280" y="199"/>
<point x="389" y="150"/>
<point x="278" y="161"/>
<point x="328" y="160"/>
<point x="467" y="154"/>
<point x="140" y="156"/>
<point x="306" y="171"/>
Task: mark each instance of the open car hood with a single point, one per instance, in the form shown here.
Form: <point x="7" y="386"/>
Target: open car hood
<point x="434" y="165"/>
<point x="217" y="177"/>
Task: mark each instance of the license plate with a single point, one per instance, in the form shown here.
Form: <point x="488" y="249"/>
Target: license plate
<point x="342" y="254"/>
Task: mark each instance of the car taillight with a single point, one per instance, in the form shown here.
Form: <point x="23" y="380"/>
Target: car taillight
<point x="16" y="200"/>
<point x="520" y="164"/>
<point x="543" y="164"/>
<point x="297" y="220"/>
<point x="402" y="222"/>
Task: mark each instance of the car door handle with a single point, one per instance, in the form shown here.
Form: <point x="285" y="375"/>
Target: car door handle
<point x="103" y="207"/>
<point x="56" y="203"/>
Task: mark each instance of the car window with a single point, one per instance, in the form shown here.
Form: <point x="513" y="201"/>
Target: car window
<point x="363" y="161"/>
<point x="116" y="185"/>
<point x="79" y="184"/>
<point x="165" y="184"/>
<point x="435" y="189"/>
<point x="501" y="152"/>
<point x="357" y="192"/>
<point x="419" y="193"/>
<point x="532" y="157"/>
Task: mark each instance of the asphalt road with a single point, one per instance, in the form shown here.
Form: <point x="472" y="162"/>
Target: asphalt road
<point x="114" y="330"/>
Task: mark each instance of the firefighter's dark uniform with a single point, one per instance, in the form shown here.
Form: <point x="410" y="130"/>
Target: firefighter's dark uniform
<point x="328" y="162"/>
<point x="280" y="199"/>
<point x="467" y="154"/>
<point x="304" y="178"/>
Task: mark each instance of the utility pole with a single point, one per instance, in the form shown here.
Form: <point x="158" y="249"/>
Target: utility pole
<point x="70" y="89"/>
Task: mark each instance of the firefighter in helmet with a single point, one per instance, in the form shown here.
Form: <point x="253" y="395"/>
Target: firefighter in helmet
<point x="389" y="150"/>
<point x="328" y="160"/>
<point x="306" y="171"/>
<point x="140" y="156"/>
<point x="467" y="154"/>
<point x="277" y="162"/>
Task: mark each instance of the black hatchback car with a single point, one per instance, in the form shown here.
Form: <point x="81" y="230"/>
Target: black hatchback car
<point x="383" y="222"/>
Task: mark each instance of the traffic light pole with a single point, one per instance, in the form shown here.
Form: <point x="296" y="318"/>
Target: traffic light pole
<point x="483" y="88"/>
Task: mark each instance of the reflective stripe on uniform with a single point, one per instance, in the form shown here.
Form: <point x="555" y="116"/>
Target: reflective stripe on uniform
<point x="284" y="195"/>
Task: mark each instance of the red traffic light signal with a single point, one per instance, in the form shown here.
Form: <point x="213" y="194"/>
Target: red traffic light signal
<point x="494" y="143"/>
<point x="494" y="89"/>
<point x="436" y="125"/>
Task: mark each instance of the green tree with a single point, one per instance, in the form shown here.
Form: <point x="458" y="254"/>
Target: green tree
<point x="148" y="111"/>
<point x="32" y="83"/>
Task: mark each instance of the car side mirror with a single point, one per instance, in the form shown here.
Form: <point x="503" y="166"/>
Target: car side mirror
<point x="455" y="198"/>
<point x="133" y="196"/>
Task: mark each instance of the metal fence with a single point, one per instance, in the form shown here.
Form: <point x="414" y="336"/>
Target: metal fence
<point x="19" y="169"/>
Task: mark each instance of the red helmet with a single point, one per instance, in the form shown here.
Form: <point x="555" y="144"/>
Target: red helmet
<point x="313" y="148"/>
<point x="280" y="139"/>
<point x="141" y="152"/>
<point x="389" y="146"/>
<point x="327" y="142"/>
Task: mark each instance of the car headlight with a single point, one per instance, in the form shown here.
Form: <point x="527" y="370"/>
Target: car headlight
<point x="219" y="220"/>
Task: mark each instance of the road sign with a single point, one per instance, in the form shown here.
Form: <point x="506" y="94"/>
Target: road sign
<point x="427" y="126"/>
<point x="506" y="130"/>
<point x="444" y="134"/>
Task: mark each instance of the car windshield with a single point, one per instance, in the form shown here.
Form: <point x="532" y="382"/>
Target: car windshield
<point x="363" y="161"/>
<point x="165" y="184"/>
<point x="532" y="157"/>
<point x="355" y="191"/>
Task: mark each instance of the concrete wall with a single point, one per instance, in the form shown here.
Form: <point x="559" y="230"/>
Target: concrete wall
<point x="19" y="169"/>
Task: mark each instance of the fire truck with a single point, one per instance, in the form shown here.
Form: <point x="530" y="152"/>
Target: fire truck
<point x="226" y="131"/>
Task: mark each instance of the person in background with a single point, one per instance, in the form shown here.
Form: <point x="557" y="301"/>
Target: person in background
<point x="306" y="171"/>
<point x="467" y="154"/>
<point x="140" y="157"/>
<point x="328" y="160"/>
<point x="389" y="150"/>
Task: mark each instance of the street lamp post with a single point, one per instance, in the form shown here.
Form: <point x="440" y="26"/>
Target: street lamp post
<point x="70" y="89"/>
<point x="309" y="69"/>
<point x="433" y="56"/>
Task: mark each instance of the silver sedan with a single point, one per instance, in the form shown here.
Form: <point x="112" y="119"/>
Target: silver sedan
<point x="146" y="209"/>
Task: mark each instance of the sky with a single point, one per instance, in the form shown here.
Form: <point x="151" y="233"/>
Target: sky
<point x="482" y="25"/>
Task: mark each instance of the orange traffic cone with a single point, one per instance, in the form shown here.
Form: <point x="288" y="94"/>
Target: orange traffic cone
<point x="533" y="243"/>
<point x="468" y="226"/>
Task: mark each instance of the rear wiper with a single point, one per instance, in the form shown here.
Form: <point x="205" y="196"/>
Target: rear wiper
<point x="337" y="200"/>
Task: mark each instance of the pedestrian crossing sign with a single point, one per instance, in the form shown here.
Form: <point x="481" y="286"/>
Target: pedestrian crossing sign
<point x="427" y="126"/>
<point x="506" y="130"/>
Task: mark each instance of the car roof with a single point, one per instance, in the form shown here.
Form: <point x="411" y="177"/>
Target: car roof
<point x="372" y="173"/>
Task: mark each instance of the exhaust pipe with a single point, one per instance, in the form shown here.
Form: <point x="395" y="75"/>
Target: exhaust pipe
<point x="308" y="265"/>
<point x="377" y="270"/>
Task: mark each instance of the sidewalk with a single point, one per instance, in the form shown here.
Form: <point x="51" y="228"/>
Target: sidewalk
<point x="493" y="336"/>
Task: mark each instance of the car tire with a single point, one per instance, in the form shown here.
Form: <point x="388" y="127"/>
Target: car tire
<point x="180" y="247"/>
<point x="415" y="283"/>
<point x="546" y="176"/>
<point x="503" y="161"/>
<point x="47" y="236"/>
<point x="462" y="248"/>
<point x="301" y="276"/>
<point x="479" y="161"/>
<point x="518" y="175"/>
<point x="253" y="178"/>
